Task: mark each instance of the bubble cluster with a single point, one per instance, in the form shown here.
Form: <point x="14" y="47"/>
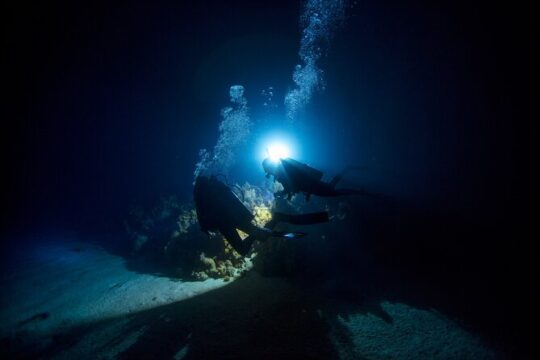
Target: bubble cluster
<point x="236" y="92"/>
<point x="234" y="129"/>
<point x="268" y="98"/>
<point x="319" y="19"/>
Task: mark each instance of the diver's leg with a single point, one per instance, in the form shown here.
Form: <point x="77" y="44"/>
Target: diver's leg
<point x="299" y="219"/>
<point x="241" y="246"/>
<point x="339" y="176"/>
<point x="343" y="192"/>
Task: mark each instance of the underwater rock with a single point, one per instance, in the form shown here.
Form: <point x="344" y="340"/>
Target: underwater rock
<point x="167" y="234"/>
<point x="217" y="268"/>
<point x="259" y="200"/>
<point x="262" y="214"/>
<point x="209" y="263"/>
<point x="276" y="186"/>
<point x="229" y="251"/>
<point x="151" y="229"/>
<point x="186" y="219"/>
<point x="139" y="241"/>
<point x="200" y="275"/>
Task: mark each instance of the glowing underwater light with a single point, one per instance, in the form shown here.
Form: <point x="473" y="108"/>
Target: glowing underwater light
<point x="275" y="145"/>
<point x="278" y="151"/>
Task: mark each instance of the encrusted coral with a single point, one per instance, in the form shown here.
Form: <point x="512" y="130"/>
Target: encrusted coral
<point x="225" y="269"/>
<point x="252" y="195"/>
<point x="168" y="234"/>
<point x="186" y="219"/>
<point x="262" y="214"/>
<point x="138" y="241"/>
<point x="229" y="250"/>
<point x="208" y="262"/>
<point x="230" y="264"/>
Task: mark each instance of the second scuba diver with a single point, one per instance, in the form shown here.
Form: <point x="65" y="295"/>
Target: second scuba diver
<point x="297" y="177"/>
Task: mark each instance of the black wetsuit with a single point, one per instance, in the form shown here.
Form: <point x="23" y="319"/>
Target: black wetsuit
<point x="218" y="209"/>
<point x="298" y="177"/>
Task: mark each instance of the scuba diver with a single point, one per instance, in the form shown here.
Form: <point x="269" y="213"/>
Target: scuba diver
<point x="298" y="177"/>
<point x="219" y="209"/>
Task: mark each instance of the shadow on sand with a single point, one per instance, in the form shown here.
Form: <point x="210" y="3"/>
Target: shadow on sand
<point x="422" y="259"/>
<point x="253" y="317"/>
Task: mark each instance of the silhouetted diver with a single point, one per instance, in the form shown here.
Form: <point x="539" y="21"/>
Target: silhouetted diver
<point x="297" y="177"/>
<point x="218" y="209"/>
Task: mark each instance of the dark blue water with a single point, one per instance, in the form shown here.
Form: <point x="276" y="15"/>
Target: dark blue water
<point x="108" y="106"/>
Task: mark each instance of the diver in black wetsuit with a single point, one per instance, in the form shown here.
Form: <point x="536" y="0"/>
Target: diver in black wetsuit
<point x="218" y="209"/>
<point x="298" y="177"/>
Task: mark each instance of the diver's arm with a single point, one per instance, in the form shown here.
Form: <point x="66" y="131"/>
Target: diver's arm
<point x="299" y="219"/>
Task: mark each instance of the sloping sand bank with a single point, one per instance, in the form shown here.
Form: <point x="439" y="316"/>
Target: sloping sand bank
<point x="98" y="309"/>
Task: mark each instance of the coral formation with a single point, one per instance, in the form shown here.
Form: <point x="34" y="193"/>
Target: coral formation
<point x="262" y="215"/>
<point x="167" y="235"/>
<point x="255" y="197"/>
<point x="186" y="219"/>
<point x="138" y="241"/>
<point x="222" y="269"/>
<point x="208" y="262"/>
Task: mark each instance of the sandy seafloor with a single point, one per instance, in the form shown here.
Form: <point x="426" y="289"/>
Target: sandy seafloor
<point x="67" y="300"/>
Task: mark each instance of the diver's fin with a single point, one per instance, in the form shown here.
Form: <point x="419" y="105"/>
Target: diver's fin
<point x="339" y="176"/>
<point x="263" y="234"/>
<point x="365" y="169"/>
<point x="361" y="192"/>
<point x="288" y="235"/>
<point x="300" y="219"/>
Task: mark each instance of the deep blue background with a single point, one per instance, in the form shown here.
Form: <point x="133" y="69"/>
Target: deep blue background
<point x="108" y="105"/>
<point x="111" y="104"/>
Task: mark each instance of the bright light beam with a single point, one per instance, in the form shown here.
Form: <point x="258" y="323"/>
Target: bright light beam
<point x="277" y="151"/>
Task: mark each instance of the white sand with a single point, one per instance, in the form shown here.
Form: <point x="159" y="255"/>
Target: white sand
<point x="81" y="287"/>
<point x="414" y="334"/>
<point x="76" y="287"/>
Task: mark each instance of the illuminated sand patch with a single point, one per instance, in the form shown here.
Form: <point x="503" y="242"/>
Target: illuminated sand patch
<point x="406" y="333"/>
<point x="60" y="285"/>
